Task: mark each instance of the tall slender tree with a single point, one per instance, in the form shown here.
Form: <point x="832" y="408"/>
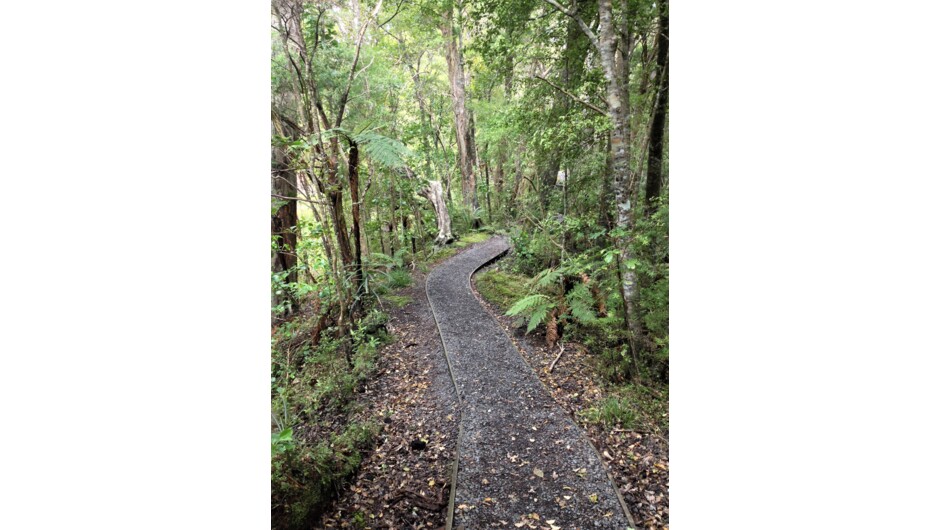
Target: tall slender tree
<point x="654" y="171"/>
<point x="612" y="45"/>
<point x="463" y="121"/>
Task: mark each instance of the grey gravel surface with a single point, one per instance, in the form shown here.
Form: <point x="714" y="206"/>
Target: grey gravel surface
<point x="520" y="454"/>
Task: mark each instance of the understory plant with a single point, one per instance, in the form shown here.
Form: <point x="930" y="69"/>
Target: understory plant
<point x="555" y="300"/>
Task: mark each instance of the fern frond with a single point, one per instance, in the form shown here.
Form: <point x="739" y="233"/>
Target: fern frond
<point x="384" y="150"/>
<point x="538" y="316"/>
<point x="546" y="277"/>
<point x="378" y="257"/>
<point x="581" y="303"/>
<point x="526" y="304"/>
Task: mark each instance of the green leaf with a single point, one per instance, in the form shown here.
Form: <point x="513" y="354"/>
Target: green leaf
<point x="386" y="151"/>
<point x="286" y="435"/>
<point x="526" y="304"/>
<point x="538" y="315"/>
<point x="547" y="277"/>
<point x="581" y="304"/>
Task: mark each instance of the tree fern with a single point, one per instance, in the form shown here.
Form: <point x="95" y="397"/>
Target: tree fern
<point x="546" y="278"/>
<point x="581" y="304"/>
<point x="538" y="316"/>
<point x="525" y="305"/>
<point x="386" y="151"/>
<point x="381" y="149"/>
<point x="535" y="306"/>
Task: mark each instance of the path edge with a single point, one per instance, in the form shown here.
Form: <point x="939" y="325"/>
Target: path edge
<point x="610" y="476"/>
<point x="453" y="480"/>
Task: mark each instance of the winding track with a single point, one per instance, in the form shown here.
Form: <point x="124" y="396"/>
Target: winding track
<point x="510" y="428"/>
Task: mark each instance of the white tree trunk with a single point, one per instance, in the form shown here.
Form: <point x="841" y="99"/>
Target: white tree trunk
<point x="434" y="193"/>
<point x="623" y="178"/>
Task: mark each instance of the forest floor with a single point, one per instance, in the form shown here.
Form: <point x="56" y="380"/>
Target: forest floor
<point x="524" y="458"/>
<point x="404" y="482"/>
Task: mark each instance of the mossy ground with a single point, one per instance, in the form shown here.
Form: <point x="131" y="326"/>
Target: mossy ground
<point x="501" y="287"/>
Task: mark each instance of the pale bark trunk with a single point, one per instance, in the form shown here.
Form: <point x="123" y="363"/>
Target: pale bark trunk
<point x="434" y="193"/>
<point x="462" y="121"/>
<point x="623" y="179"/>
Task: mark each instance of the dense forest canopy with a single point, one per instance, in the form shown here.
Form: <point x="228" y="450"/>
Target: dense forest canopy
<point x="527" y="114"/>
<point x="401" y="128"/>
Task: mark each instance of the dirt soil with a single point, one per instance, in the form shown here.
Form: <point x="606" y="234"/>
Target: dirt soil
<point x="404" y="483"/>
<point x="523" y="461"/>
<point x="638" y="459"/>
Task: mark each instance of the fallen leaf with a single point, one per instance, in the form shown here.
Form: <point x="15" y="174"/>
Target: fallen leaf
<point x="538" y="472"/>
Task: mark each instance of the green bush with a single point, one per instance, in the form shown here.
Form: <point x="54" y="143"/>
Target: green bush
<point x="308" y="476"/>
<point x="399" y="278"/>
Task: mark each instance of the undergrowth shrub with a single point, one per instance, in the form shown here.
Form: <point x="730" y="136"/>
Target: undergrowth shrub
<point x="310" y="383"/>
<point x="399" y="278"/>
<point x="305" y="478"/>
<point x="612" y="411"/>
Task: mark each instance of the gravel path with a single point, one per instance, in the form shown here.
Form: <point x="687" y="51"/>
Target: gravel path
<point x="522" y="459"/>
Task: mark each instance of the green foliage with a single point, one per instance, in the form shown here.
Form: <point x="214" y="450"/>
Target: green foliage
<point x="283" y="441"/>
<point x="317" y="471"/>
<point x="501" y="287"/>
<point x="398" y="301"/>
<point x="471" y="238"/>
<point x="580" y="303"/>
<point x="388" y="152"/>
<point x="309" y="383"/>
<point x="528" y="303"/>
<point x="548" y="293"/>
<point x="399" y="278"/>
<point x="611" y="412"/>
<point x="651" y="245"/>
<point x="564" y="265"/>
<point x="535" y="306"/>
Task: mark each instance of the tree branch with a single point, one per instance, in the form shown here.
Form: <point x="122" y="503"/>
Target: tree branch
<point x="395" y="14"/>
<point x="573" y="13"/>
<point x="352" y="69"/>
<point x="574" y="98"/>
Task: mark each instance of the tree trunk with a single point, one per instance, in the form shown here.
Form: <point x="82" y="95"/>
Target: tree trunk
<point x="462" y="121"/>
<point x="434" y="193"/>
<point x="498" y="178"/>
<point x="356" y="215"/>
<point x="654" y="172"/>
<point x="489" y="205"/>
<point x="623" y="181"/>
<point x="283" y="224"/>
<point x="516" y="183"/>
<point x="334" y="194"/>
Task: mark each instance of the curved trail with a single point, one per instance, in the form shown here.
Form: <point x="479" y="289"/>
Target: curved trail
<point x="511" y="431"/>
